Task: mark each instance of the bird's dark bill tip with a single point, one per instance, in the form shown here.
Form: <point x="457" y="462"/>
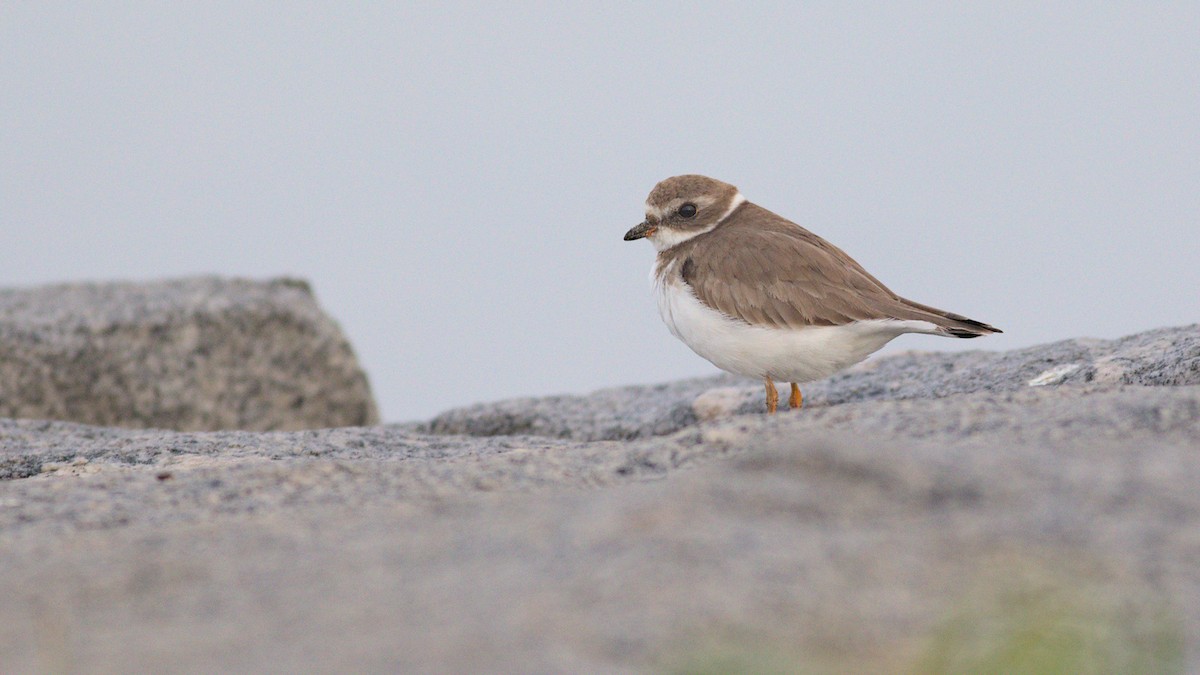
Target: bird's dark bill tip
<point x="638" y="231"/>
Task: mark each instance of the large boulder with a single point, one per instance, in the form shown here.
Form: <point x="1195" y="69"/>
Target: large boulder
<point x="1052" y="529"/>
<point x="1028" y="511"/>
<point x="190" y="354"/>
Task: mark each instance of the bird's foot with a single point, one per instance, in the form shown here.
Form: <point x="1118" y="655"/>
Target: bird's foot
<point x="772" y="396"/>
<point x="795" y="400"/>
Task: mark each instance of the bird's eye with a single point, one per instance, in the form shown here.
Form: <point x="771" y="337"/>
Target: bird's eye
<point x="687" y="210"/>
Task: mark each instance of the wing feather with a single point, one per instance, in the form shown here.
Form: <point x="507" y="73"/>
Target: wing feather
<point x="780" y="279"/>
<point x="768" y="271"/>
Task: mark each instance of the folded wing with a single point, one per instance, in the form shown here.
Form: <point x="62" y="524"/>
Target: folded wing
<point x="783" y="276"/>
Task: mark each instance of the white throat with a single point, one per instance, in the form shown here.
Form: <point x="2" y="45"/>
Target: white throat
<point x="667" y="237"/>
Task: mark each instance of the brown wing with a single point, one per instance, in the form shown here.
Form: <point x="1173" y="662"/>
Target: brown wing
<point x="768" y="271"/>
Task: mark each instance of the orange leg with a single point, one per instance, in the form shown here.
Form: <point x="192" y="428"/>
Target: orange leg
<point x="795" y="400"/>
<point x="772" y="396"/>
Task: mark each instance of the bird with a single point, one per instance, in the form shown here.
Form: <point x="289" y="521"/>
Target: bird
<point x="759" y="296"/>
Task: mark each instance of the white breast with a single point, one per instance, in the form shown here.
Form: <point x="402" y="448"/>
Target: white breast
<point x="786" y="355"/>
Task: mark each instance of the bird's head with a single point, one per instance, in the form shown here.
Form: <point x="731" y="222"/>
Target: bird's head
<point x="682" y="207"/>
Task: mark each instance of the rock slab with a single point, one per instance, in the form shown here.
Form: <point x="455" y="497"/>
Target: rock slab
<point x="1162" y="357"/>
<point x="190" y="354"/>
<point x="1044" y="527"/>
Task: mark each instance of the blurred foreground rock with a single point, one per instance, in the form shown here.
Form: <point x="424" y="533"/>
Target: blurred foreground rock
<point x="191" y="354"/>
<point x="1026" y="529"/>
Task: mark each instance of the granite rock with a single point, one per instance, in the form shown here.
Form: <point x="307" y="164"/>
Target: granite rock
<point x="1167" y="356"/>
<point x="850" y="536"/>
<point x="936" y="527"/>
<point x="190" y="354"/>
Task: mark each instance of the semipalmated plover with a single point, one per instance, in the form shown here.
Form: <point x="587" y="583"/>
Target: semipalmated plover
<point x="760" y="296"/>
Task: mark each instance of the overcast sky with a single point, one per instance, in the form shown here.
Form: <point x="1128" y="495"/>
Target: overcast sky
<point x="455" y="179"/>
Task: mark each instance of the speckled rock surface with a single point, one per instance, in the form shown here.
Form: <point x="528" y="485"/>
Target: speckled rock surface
<point x="887" y="534"/>
<point x="189" y="354"/>
<point x="1167" y="356"/>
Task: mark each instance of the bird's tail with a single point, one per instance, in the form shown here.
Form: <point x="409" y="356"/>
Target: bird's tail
<point x="951" y="324"/>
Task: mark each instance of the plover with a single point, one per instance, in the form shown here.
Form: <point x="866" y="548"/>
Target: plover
<point x="760" y="296"/>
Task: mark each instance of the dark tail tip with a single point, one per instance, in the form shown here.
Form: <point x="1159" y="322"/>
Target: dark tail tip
<point x="970" y="329"/>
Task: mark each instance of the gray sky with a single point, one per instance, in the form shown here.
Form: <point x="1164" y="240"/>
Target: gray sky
<point x="455" y="180"/>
